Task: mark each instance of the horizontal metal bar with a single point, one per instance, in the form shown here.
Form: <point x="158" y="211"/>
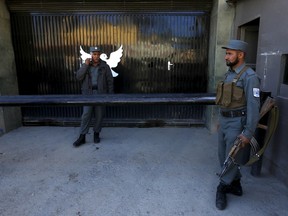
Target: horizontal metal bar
<point x="106" y="99"/>
<point x="107" y="5"/>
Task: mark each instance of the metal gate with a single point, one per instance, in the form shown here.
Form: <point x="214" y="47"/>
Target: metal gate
<point x="163" y="53"/>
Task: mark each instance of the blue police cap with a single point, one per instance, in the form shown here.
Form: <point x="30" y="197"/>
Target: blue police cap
<point x="95" y="49"/>
<point x="237" y="45"/>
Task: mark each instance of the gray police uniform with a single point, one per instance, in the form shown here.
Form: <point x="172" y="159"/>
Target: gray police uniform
<point x="88" y="110"/>
<point x="240" y="114"/>
<point x="95" y="80"/>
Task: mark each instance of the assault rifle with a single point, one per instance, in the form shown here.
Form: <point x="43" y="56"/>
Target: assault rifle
<point x="256" y="151"/>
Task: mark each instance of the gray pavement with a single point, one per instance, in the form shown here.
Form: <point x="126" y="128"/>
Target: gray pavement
<point x="132" y="172"/>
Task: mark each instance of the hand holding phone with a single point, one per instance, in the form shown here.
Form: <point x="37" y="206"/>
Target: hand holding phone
<point x="88" y="61"/>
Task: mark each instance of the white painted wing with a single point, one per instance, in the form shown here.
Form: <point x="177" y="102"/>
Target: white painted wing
<point x="115" y="57"/>
<point x="84" y="55"/>
<point x="114" y="74"/>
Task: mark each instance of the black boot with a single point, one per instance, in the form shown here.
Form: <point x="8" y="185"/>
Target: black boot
<point x="235" y="188"/>
<point x="221" y="199"/>
<point x="96" y="138"/>
<point x="81" y="140"/>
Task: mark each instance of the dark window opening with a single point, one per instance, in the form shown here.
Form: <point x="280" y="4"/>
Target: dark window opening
<point x="285" y="66"/>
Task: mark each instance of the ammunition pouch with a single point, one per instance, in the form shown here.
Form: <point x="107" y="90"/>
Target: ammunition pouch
<point x="230" y="96"/>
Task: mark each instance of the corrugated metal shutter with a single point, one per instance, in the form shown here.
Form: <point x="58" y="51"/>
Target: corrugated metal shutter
<point x="51" y="45"/>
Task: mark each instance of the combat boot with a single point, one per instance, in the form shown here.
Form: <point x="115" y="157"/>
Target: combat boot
<point x="221" y="199"/>
<point x="81" y="140"/>
<point x="235" y="188"/>
<point x="96" y="138"/>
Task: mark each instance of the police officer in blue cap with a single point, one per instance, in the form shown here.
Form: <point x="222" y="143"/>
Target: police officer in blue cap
<point x="238" y="96"/>
<point x="96" y="78"/>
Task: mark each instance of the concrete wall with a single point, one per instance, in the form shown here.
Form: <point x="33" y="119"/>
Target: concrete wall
<point x="10" y="117"/>
<point x="221" y="28"/>
<point x="272" y="44"/>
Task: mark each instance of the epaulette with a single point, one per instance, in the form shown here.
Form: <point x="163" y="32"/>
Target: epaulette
<point x="250" y="72"/>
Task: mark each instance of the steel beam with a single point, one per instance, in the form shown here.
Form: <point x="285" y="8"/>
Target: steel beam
<point x="106" y="99"/>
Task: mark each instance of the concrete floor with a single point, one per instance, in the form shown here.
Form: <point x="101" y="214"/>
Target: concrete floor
<point x="132" y="172"/>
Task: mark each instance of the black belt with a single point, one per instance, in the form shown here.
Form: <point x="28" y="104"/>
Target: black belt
<point x="234" y="113"/>
<point x="94" y="87"/>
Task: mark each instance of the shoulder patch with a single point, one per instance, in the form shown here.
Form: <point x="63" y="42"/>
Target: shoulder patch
<point x="256" y="92"/>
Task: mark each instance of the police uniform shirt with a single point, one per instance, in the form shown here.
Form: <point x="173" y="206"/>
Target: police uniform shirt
<point x="250" y="83"/>
<point x="94" y="75"/>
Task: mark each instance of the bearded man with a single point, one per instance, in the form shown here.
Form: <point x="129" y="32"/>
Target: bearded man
<point x="238" y="96"/>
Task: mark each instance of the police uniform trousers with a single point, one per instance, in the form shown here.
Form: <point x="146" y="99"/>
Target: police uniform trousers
<point x="230" y="128"/>
<point x="87" y="115"/>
